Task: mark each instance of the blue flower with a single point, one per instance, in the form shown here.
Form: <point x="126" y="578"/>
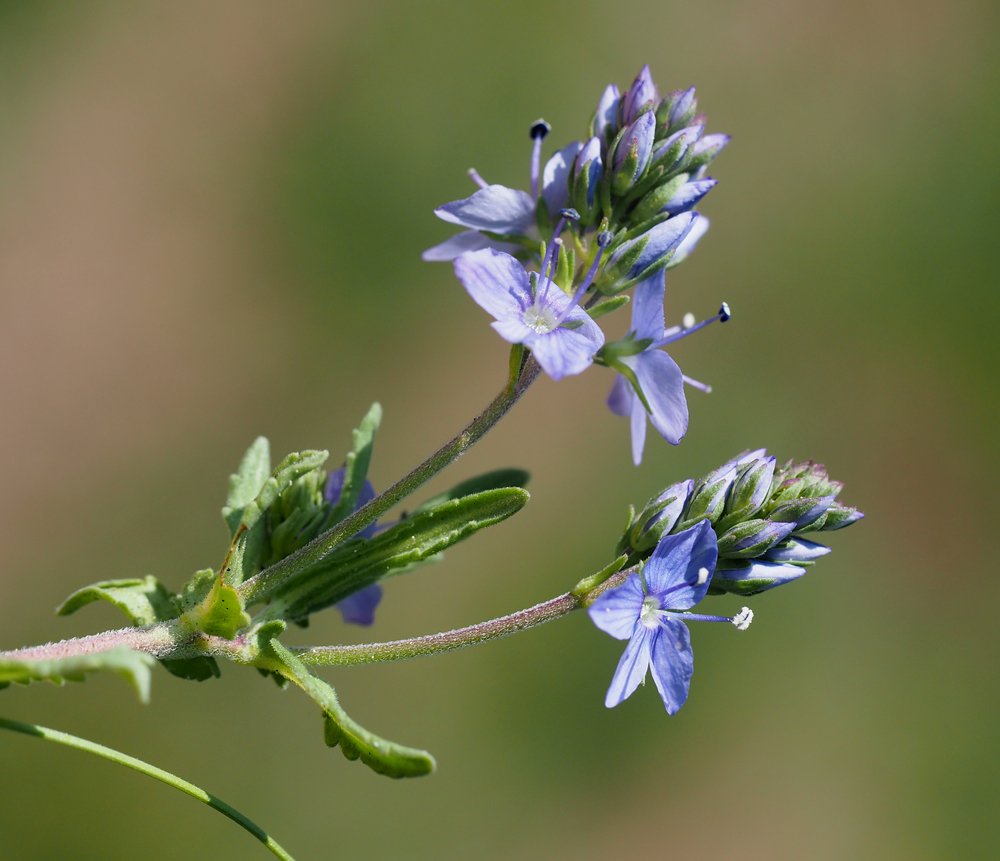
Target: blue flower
<point x="532" y="310"/>
<point x="359" y="608"/>
<point x="495" y="212"/>
<point x="657" y="375"/>
<point x="650" y="611"/>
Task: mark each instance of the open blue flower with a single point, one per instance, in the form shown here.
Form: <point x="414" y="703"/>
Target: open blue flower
<point x="650" y="611"/>
<point x="532" y="310"/>
<point x="359" y="608"/>
<point x="658" y="376"/>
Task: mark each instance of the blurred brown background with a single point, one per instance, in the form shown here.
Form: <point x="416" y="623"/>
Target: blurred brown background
<point x="211" y="216"/>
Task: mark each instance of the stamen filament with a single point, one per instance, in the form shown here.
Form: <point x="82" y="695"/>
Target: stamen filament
<point x="539" y="130"/>
<point x="587" y="281"/>
<point x="694" y="384"/>
<point x="675" y="333"/>
<point x="692" y="617"/>
<point x="477" y="179"/>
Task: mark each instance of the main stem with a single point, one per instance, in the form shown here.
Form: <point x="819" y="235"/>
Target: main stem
<point x="166" y="777"/>
<point x="259" y="587"/>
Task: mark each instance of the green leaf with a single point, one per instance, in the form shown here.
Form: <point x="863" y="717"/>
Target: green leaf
<point x="497" y="478"/>
<point x="247" y="482"/>
<point x="606" y="306"/>
<point x="143" y="600"/>
<point x="379" y="754"/>
<point x="356" y="463"/>
<point x="588" y="584"/>
<point x="130" y="665"/>
<point x="418" y="539"/>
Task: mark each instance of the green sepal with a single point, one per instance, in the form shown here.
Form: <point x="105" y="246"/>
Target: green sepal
<point x="606" y="306"/>
<point x="417" y="539"/>
<point x="493" y="480"/>
<point x="565" y="266"/>
<point x="144" y="601"/>
<point x="247" y="482"/>
<point x="652" y="204"/>
<point x="587" y="584"/>
<point x="707" y="503"/>
<point x="733" y="537"/>
<point x="130" y="665"/>
<point x="379" y="754"/>
<point x="220" y="613"/>
<point x="356" y="463"/>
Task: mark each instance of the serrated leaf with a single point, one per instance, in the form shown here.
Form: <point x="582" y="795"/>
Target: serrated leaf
<point x="143" y="600"/>
<point x="356" y="463"/>
<point x="130" y="665"/>
<point x="356" y="742"/>
<point x="420" y="538"/>
<point x="497" y="478"/>
<point x="247" y="481"/>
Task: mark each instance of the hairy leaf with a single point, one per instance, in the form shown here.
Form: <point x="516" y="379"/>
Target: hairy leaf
<point x="130" y="665"/>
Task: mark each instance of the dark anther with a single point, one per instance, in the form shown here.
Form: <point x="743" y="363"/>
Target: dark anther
<point x="724" y="312"/>
<point x="539" y="129"/>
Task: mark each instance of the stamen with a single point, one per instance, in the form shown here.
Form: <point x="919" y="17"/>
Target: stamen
<point x="702" y="576"/>
<point x="694" y="384"/>
<point x="688" y="321"/>
<point x="476" y="178"/>
<point x="549" y="265"/>
<point x="539" y="129"/>
<point x="603" y="241"/>
<point x="674" y="334"/>
<point x="741" y="621"/>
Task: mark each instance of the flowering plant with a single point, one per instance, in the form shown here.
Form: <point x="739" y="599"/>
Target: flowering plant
<point x="604" y="220"/>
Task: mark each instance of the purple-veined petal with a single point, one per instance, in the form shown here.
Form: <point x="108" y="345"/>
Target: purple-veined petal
<point x="662" y="385"/>
<point x="671" y="512"/>
<point x="683" y="106"/>
<point x="637" y="427"/>
<point x="656" y="243"/>
<point x="359" y="608"/>
<point x="496" y="281"/>
<point x="640" y="95"/>
<point x="467" y="240"/>
<point x="647" y="307"/>
<point x="688" y="195"/>
<point x="713" y="143"/>
<point x="699" y="227"/>
<point x="495" y="208"/>
<point x="555" y="178"/>
<point x="632" y="667"/>
<point x="797" y="550"/>
<point x="512" y="330"/>
<point x="564" y="352"/>
<point x="760" y="576"/>
<point x="672" y="663"/>
<point x="620" y="397"/>
<point x="617" y="610"/>
<point x="674" y="572"/>
<point x="637" y="137"/>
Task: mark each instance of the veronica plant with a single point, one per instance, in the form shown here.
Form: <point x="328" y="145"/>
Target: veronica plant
<point x="602" y="222"/>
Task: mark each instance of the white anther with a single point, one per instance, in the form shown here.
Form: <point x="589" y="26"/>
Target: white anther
<point x="741" y="621"/>
<point x="689" y="320"/>
<point x="702" y="576"/>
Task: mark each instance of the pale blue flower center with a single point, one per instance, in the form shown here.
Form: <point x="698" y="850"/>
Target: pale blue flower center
<point x="649" y="615"/>
<point x="540" y="319"/>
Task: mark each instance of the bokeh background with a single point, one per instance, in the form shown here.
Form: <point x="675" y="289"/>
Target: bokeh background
<point x="211" y="216"/>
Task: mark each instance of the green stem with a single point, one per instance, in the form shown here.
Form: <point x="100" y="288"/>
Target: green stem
<point x="432" y="644"/>
<point x="151" y="771"/>
<point x="262" y="585"/>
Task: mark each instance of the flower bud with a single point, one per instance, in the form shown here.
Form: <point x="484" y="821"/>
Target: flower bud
<point x="657" y="518"/>
<point x="838" y="516"/>
<point x="640" y="97"/>
<point x="671" y="153"/>
<point x="632" y="153"/>
<point x="585" y="179"/>
<point x="749" y="492"/>
<point x="709" y="497"/>
<point x="637" y="259"/>
<point x="754" y="577"/>
<point x="705" y="151"/>
<point x="801" y="512"/>
<point x="604" y="125"/>
<point x="752" y="538"/>
<point x="677" y="109"/>
<point x="797" y="551"/>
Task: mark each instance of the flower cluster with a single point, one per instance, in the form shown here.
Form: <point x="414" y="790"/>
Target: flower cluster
<point x="602" y="216"/>
<point x="736" y="530"/>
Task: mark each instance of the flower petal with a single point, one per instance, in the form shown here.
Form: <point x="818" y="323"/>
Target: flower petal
<point x="672" y="663"/>
<point x="555" y="178"/>
<point x="673" y="572"/>
<point x="637" y="425"/>
<point x="563" y="352"/>
<point x="606" y="115"/>
<point x="359" y="608"/>
<point x="468" y="240"/>
<point x="632" y="667"/>
<point x="662" y="384"/>
<point x="647" y="307"/>
<point x="617" y="610"/>
<point x="698" y="229"/>
<point x="620" y="397"/>
<point x="496" y="281"/>
<point x="495" y="208"/>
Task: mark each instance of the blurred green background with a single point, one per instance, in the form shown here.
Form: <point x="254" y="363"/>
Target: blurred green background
<point x="211" y="216"/>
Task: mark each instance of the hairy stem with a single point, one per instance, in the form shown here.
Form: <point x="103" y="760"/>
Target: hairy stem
<point x="259" y="587"/>
<point x="151" y="771"/>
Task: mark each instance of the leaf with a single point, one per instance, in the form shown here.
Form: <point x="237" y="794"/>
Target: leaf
<point x="379" y="754"/>
<point x="497" y="478"/>
<point x="220" y="613"/>
<point x="247" y="481"/>
<point x="143" y="600"/>
<point x="130" y="665"/>
<point x="356" y="463"/>
<point x="420" y="538"/>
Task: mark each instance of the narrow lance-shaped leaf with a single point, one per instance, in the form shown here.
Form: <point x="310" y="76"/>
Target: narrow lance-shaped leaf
<point x="130" y="665"/>
<point x="497" y="478"/>
<point x="380" y="755"/>
<point x="417" y="539"/>
<point x="247" y="481"/>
